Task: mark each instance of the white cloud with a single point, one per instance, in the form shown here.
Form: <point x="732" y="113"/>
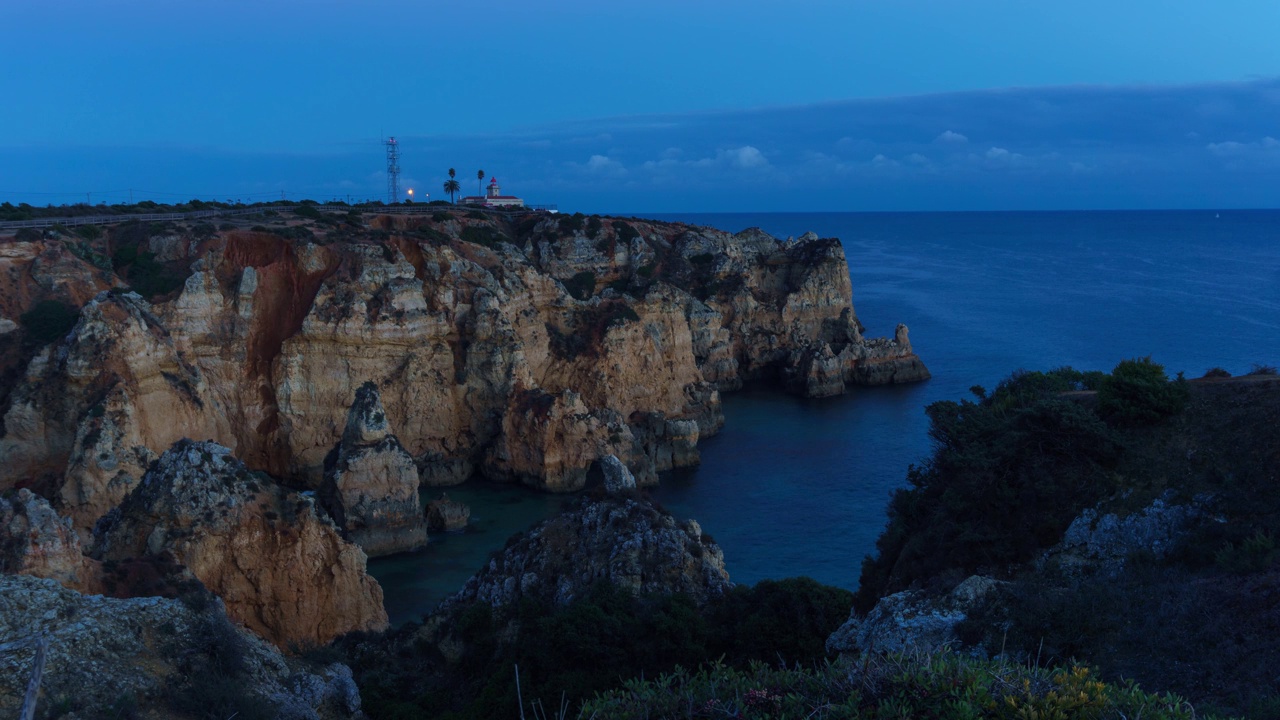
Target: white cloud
<point x="747" y="156"/>
<point x="917" y="159"/>
<point x="604" y="165"/>
<point x="951" y="137"/>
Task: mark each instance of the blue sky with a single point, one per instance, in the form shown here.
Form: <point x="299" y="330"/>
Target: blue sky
<point x="654" y="106"/>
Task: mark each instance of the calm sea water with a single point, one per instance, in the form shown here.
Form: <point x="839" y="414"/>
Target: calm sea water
<point x="799" y="487"/>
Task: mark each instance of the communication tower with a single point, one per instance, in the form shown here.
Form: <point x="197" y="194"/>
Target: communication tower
<point x="393" y="170"/>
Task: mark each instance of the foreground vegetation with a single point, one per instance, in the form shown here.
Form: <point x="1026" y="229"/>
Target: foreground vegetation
<point x="1013" y="468"/>
<point x="943" y="686"/>
<point x="589" y="646"/>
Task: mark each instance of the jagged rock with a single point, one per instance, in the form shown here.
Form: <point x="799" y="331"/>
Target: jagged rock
<point x="1104" y="543"/>
<point x="269" y="340"/>
<point x="445" y="515"/>
<point x="616" y="475"/>
<point x="281" y="568"/>
<point x="108" y="458"/>
<point x="911" y="621"/>
<point x="107" y="653"/>
<point x="371" y="483"/>
<point x="626" y="541"/>
<point x="36" y="541"/>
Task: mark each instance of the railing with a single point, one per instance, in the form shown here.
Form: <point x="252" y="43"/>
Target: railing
<point x="230" y="212"/>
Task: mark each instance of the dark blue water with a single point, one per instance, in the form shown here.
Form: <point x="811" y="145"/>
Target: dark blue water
<point x="798" y="487"/>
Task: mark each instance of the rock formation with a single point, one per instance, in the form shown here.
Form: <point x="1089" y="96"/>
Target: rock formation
<point x="36" y="541"/>
<point x="282" y="570"/>
<point x="616" y="475"/>
<point x="525" y="351"/>
<point x="109" y="657"/>
<point x="910" y="621"/>
<point x="445" y="515"/>
<point x="625" y="541"/>
<point x="371" y="484"/>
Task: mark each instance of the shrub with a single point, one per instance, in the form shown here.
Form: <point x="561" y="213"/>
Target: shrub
<point x="89" y="232"/>
<point x="874" y="687"/>
<point x="47" y="321"/>
<point x="482" y="235"/>
<point x="1007" y="476"/>
<point x="28" y="235"/>
<point x="1217" y="372"/>
<point x="594" y="226"/>
<point x="307" y="211"/>
<point x="582" y="285"/>
<point x="1139" y="393"/>
<point x="440" y="217"/>
<point x="626" y="233"/>
<point x="1260" y="369"/>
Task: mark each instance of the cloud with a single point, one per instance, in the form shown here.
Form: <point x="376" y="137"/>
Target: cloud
<point x="1231" y="148"/>
<point x="747" y="157"/>
<point x="951" y="137"/>
<point x="604" y="165"/>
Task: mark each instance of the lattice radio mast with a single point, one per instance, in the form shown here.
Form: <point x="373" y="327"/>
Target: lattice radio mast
<point x="393" y="170"/>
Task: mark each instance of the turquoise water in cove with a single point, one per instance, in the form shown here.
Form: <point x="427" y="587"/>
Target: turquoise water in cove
<point x="799" y="487"/>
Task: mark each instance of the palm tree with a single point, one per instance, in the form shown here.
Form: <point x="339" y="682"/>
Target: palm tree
<point x="480" y="177"/>
<point x="452" y="173"/>
<point x="451" y="186"/>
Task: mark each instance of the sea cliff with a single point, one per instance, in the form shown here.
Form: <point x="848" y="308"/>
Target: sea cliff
<point x="521" y="349"/>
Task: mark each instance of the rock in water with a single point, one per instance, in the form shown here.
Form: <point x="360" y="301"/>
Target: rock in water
<point x="36" y="541"/>
<point x="447" y="515"/>
<point x="371" y="484"/>
<point x="616" y="475"/>
<point x="282" y="570"/>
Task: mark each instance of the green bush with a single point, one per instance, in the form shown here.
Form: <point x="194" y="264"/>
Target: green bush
<point x="594" y="226"/>
<point x="1007" y="476"/>
<point x="582" y="285"/>
<point x="880" y="688"/>
<point x="626" y="233"/>
<point x="47" y="321"/>
<point x="1138" y="393"/>
<point x="89" y="232"/>
<point x="28" y="235"/>
<point x="482" y="235"/>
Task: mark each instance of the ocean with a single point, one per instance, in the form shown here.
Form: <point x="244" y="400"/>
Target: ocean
<point x="799" y="487"/>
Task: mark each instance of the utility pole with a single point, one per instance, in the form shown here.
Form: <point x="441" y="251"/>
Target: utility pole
<point x="393" y="170"/>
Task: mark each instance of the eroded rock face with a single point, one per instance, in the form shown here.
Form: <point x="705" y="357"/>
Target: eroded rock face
<point x="525" y="352"/>
<point x="282" y="570"/>
<point x="616" y="475"/>
<point x="625" y="541"/>
<point x="445" y="515"/>
<point x="910" y="621"/>
<point x="1105" y="542"/>
<point x="371" y="485"/>
<point x="36" y="541"/>
<point x="143" y="652"/>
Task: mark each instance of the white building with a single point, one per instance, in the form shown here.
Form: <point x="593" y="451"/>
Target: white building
<point x="493" y="198"/>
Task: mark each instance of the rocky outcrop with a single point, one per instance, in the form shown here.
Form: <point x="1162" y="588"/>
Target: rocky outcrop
<point x="619" y="539"/>
<point x="371" y="484"/>
<point x="1105" y="542"/>
<point x="445" y="515"/>
<point x="36" y="541"/>
<point x="282" y="570"/>
<point x="156" y="657"/>
<point x="525" y="351"/>
<point x="97" y="404"/>
<point x="910" y="621"/>
<point x="617" y="477"/>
